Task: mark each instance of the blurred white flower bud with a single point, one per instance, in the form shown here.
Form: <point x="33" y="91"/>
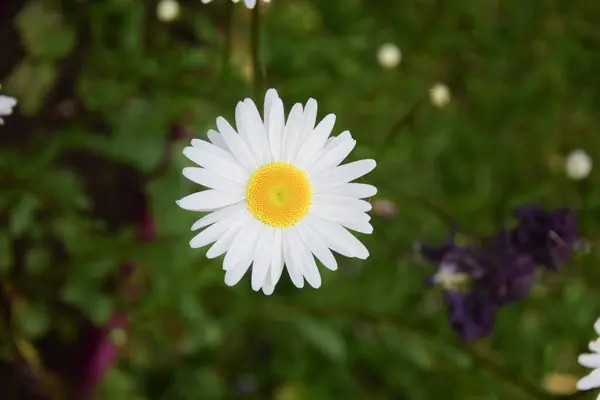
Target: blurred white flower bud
<point x="167" y="10"/>
<point x="578" y="164"/>
<point x="439" y="94"/>
<point x="389" y="55"/>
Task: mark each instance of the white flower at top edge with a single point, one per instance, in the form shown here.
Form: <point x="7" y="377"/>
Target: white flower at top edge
<point x="591" y="360"/>
<point x="168" y="10"/>
<point x="277" y="194"/>
<point x="249" y="3"/>
<point x="6" y="106"/>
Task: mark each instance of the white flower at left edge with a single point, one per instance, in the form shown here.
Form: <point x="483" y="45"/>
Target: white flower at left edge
<point x="249" y="3"/>
<point x="277" y="194"/>
<point x="591" y="360"/>
<point x="6" y="106"/>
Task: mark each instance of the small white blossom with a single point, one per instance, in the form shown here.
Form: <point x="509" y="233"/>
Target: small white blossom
<point x="389" y="55"/>
<point x="6" y="106"/>
<point x="439" y="94"/>
<point x="167" y="10"/>
<point x="249" y="3"/>
<point x="578" y="164"/>
<point x="591" y="360"/>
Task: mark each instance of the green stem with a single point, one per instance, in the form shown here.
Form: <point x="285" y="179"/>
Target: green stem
<point x="229" y="23"/>
<point x="404" y="121"/>
<point x="255" y="51"/>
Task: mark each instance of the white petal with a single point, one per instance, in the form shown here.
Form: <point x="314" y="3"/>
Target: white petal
<point x="292" y="259"/>
<point x="359" y="226"/>
<point x="337" y="238"/>
<point x="595" y="346"/>
<point x="259" y="134"/>
<point x="291" y="133"/>
<point x="247" y="129"/>
<point x="236" y="145"/>
<point x="590" y="381"/>
<point x="216" y="139"/>
<point x="277" y="257"/>
<point x="597" y="326"/>
<point x="341" y="201"/>
<point x="590" y="360"/>
<point x="335" y="140"/>
<point x="310" y="117"/>
<point x="219" y="161"/>
<point x="316" y="246"/>
<point x="270" y="98"/>
<point x="309" y="267"/>
<point x="243" y="244"/>
<point x="334" y="156"/>
<point x="235" y="274"/>
<point x="275" y="127"/>
<point x="225" y="241"/>
<point x="215" y="231"/>
<point x="217" y="215"/>
<point x="250" y="3"/>
<point x="208" y="200"/>
<point x="316" y="141"/>
<point x="356" y="190"/>
<point x="339" y="214"/>
<point x="210" y="179"/>
<point x="268" y="287"/>
<point x="262" y="257"/>
<point x="344" y="173"/>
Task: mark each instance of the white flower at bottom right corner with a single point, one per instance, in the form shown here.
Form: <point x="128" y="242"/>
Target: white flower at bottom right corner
<point x="591" y="360"/>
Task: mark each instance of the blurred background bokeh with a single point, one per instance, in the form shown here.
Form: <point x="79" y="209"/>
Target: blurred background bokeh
<point x="470" y="107"/>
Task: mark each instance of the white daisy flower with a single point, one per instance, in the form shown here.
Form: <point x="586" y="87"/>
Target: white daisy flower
<point x="278" y="194"/>
<point x="591" y="360"/>
<point x="249" y="3"/>
<point x="6" y="106"/>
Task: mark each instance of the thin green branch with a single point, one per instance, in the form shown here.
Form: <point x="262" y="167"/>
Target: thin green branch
<point x="255" y="51"/>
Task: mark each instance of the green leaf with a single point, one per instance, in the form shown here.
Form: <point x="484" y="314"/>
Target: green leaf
<point x="33" y="318"/>
<point x="409" y="346"/>
<point x="323" y="337"/>
<point x="22" y="214"/>
<point x="43" y="32"/>
<point x="30" y="82"/>
<point x="117" y="384"/>
<point x="95" y="305"/>
<point x="38" y="260"/>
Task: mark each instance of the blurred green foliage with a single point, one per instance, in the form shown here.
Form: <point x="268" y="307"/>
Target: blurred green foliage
<point x="100" y="84"/>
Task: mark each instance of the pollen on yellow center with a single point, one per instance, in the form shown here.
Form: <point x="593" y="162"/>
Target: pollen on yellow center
<point x="279" y="194"/>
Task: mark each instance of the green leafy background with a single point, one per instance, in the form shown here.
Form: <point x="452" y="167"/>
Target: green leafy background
<point x="100" y="84"/>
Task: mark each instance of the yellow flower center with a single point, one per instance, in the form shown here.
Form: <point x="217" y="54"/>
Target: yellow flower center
<point x="278" y="194"/>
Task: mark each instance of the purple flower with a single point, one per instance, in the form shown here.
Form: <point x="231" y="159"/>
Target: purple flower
<point x="462" y="273"/>
<point x="548" y="236"/>
<point x="478" y="281"/>
<point x="512" y="272"/>
<point x="471" y="313"/>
